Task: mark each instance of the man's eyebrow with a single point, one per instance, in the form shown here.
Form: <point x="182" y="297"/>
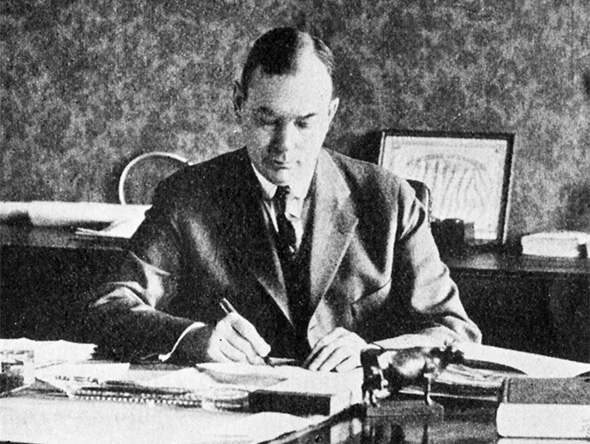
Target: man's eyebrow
<point x="267" y="112"/>
<point x="308" y="116"/>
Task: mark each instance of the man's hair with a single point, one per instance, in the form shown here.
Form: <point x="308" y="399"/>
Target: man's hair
<point x="277" y="51"/>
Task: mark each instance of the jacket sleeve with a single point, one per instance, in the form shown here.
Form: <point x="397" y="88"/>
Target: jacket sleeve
<point x="126" y="315"/>
<point x="421" y="282"/>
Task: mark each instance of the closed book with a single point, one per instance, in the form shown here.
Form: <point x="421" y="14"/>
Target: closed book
<point x="309" y="393"/>
<point x="557" y="408"/>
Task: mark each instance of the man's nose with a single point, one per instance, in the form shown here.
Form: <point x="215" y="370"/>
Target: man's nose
<point x="284" y="137"/>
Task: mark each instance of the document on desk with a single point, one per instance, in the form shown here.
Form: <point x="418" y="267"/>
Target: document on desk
<point x="213" y="386"/>
<point x="528" y="363"/>
<point x="286" y="389"/>
<point x="126" y="421"/>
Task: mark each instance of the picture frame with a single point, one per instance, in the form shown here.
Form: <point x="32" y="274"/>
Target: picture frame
<point x="468" y="174"/>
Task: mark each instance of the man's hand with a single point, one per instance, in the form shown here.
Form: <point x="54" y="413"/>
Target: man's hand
<point x="232" y="339"/>
<point x="339" y="351"/>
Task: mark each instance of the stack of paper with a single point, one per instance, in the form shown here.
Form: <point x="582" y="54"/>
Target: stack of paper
<point x="556" y="244"/>
<point x="121" y="221"/>
<point x="49" y="353"/>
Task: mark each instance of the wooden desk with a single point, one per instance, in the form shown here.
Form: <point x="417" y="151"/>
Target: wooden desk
<point x="35" y="416"/>
<point x="64" y="420"/>
<point x="524" y="303"/>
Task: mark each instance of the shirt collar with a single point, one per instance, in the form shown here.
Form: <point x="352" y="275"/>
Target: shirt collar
<point x="299" y="189"/>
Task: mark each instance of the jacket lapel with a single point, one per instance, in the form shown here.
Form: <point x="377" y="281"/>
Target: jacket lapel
<point x="248" y="236"/>
<point x="334" y="222"/>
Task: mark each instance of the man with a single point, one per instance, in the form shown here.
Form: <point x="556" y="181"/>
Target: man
<point x="319" y="255"/>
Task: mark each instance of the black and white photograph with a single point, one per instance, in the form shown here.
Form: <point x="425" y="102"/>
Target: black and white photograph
<point x="298" y="221"/>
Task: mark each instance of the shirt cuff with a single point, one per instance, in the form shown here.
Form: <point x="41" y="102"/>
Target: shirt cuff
<point x="165" y="357"/>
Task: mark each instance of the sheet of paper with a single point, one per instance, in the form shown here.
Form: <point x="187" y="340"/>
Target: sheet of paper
<point x="261" y="427"/>
<point x="528" y="363"/>
<point x="75" y="374"/>
<point x="289" y="378"/>
<point x="120" y="229"/>
<point x="244" y="376"/>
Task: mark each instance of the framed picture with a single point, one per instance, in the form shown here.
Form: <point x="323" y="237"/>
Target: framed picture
<point x="468" y="174"/>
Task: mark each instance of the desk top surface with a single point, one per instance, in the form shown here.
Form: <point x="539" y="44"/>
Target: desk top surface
<point x="64" y="420"/>
<point x="40" y="415"/>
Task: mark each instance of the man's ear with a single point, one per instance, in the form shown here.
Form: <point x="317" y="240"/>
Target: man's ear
<point x="333" y="108"/>
<point x="239" y="99"/>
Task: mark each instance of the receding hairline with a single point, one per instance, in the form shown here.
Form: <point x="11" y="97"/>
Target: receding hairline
<point x="279" y="52"/>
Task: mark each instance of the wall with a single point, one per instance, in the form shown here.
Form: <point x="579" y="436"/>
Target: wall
<point x="88" y="85"/>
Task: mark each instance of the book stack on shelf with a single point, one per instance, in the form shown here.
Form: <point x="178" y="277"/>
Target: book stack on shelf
<point x="557" y="244"/>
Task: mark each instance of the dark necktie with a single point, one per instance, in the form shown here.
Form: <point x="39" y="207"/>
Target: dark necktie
<point x="287" y="239"/>
<point x="293" y="273"/>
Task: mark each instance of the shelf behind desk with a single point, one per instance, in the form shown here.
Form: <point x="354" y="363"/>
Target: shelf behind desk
<point x="43" y="272"/>
<point x="534" y="304"/>
<point x="539" y="305"/>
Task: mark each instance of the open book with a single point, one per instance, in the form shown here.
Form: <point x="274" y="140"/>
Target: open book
<point x="487" y="367"/>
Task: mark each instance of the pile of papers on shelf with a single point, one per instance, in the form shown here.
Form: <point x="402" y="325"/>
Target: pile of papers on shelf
<point x="91" y="218"/>
<point x="556" y="244"/>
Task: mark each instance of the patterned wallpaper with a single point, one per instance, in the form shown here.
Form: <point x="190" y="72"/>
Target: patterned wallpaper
<point x="88" y="85"/>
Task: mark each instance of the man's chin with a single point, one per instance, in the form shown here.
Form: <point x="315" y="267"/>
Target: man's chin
<point x="282" y="176"/>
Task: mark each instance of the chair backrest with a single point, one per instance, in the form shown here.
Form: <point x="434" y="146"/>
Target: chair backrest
<point x="423" y="194"/>
<point x="142" y="174"/>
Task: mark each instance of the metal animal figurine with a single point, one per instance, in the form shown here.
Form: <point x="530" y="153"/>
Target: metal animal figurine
<point x="386" y="371"/>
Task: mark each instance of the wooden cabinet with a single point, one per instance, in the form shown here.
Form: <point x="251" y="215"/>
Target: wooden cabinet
<point x="538" y="305"/>
<point x="43" y="274"/>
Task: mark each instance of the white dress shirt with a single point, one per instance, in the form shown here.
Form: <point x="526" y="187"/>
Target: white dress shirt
<point x="295" y="201"/>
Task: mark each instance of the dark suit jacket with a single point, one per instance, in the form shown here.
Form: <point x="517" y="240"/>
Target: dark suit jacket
<point x="374" y="268"/>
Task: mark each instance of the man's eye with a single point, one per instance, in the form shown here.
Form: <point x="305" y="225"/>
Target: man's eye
<point x="302" y="124"/>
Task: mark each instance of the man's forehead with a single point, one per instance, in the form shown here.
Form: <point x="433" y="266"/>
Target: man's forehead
<point x="307" y="67"/>
<point x="289" y="96"/>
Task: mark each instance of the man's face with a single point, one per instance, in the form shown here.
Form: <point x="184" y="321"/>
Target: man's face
<point x="285" y="119"/>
